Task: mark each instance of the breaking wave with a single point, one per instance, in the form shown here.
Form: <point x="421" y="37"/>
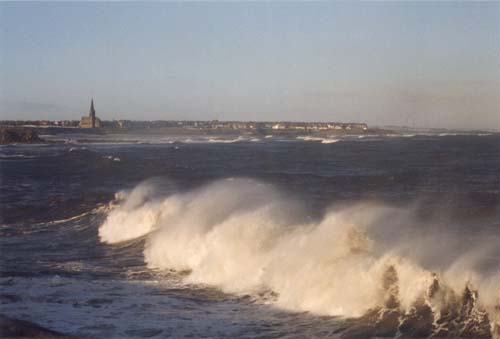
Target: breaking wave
<point x="16" y="156"/>
<point x="375" y="263"/>
<point x="226" y="141"/>
<point x="322" y="140"/>
<point x="329" y="141"/>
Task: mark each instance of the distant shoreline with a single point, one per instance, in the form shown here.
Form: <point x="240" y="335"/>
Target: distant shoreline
<point x="215" y="127"/>
<point x="34" y="135"/>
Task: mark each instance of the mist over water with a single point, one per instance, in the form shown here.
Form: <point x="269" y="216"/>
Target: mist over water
<point x="364" y="237"/>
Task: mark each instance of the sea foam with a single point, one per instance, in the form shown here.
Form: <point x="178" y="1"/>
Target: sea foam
<point x="244" y="237"/>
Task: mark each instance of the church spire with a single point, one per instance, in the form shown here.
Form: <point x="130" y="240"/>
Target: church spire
<point x="92" y="110"/>
<point x="92" y="113"/>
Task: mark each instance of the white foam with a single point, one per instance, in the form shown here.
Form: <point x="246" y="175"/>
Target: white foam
<point x="16" y="156"/>
<point x="322" y="140"/>
<point x="226" y="141"/>
<point x="242" y="236"/>
<point x="309" y="138"/>
<point x="329" y="141"/>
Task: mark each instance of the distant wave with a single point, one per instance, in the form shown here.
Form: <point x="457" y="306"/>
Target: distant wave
<point x="77" y="149"/>
<point x="400" y="135"/>
<point x="329" y="141"/>
<point x="230" y="141"/>
<point x="16" y="156"/>
<point x="309" y="138"/>
<point x="110" y="157"/>
<point x="463" y="134"/>
<point x="322" y="140"/>
<point x="366" y="260"/>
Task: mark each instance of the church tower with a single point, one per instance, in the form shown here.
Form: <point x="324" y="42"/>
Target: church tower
<point x="92" y="113"/>
<point x="90" y="121"/>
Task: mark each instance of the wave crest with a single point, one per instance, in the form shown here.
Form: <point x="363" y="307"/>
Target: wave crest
<point x="367" y="260"/>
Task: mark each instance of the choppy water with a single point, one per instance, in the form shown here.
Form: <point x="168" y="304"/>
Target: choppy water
<point x="269" y="237"/>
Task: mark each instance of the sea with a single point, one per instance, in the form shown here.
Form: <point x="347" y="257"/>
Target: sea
<point x="206" y="236"/>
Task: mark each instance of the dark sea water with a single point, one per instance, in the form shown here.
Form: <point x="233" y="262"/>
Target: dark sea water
<point x="158" y="236"/>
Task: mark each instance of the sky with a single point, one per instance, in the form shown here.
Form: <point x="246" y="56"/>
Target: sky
<point x="422" y="64"/>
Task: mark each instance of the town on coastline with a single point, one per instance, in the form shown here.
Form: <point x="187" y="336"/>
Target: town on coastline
<point x="28" y="131"/>
<point x="91" y="121"/>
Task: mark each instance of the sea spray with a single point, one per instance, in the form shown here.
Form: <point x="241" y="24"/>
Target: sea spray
<point x="137" y="212"/>
<point x="245" y="237"/>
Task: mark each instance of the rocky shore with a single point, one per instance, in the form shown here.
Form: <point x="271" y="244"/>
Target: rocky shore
<point x="14" y="135"/>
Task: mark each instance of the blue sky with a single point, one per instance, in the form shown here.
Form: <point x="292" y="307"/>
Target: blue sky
<point x="424" y="64"/>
